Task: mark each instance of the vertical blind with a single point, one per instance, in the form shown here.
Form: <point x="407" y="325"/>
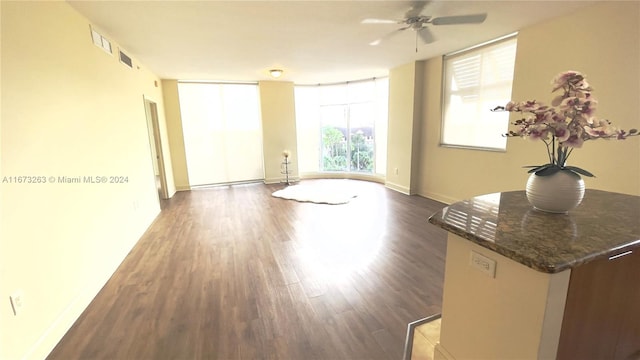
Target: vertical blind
<point x="222" y="132"/>
<point x="476" y="81"/>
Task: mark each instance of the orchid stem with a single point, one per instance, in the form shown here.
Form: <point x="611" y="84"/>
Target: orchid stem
<point x="567" y="154"/>
<point x="553" y="150"/>
<point x="548" y="151"/>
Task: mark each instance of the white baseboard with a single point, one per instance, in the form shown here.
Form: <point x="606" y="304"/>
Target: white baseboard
<point x="280" y="180"/>
<point x="439" y="197"/>
<point x="69" y="315"/>
<point x="56" y="331"/>
<point x="343" y="175"/>
<point x="399" y="188"/>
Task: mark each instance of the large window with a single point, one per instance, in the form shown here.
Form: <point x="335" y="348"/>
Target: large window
<point x="475" y="81"/>
<point x="342" y="127"/>
<point x="222" y="132"/>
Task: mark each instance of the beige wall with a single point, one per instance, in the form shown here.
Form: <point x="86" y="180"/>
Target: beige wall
<point x="68" y="109"/>
<point x="416" y="139"/>
<point x="405" y="90"/>
<point x="277" y="107"/>
<point x="601" y="41"/>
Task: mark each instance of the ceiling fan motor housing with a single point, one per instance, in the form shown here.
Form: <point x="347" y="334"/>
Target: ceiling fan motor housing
<point x="417" y="22"/>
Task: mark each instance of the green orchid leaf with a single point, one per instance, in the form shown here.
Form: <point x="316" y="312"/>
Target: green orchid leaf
<point x="579" y="171"/>
<point x="548" y="170"/>
<point x="572" y="173"/>
<point x="535" y="169"/>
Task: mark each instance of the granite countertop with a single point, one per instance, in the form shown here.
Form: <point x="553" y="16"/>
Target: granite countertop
<point x="603" y="225"/>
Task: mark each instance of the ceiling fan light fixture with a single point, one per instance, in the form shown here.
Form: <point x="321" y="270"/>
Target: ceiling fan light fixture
<point x="276" y="73"/>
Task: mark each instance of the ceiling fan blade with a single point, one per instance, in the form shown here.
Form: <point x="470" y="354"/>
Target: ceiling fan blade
<point x="426" y="35"/>
<point x="416" y="8"/>
<point x="461" y="19"/>
<point x="379" y="21"/>
<point x="387" y="36"/>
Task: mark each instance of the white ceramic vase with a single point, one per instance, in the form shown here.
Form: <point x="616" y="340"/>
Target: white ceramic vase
<point x="557" y="193"/>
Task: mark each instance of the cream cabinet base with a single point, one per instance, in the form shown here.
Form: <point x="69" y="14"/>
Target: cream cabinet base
<point x="517" y="313"/>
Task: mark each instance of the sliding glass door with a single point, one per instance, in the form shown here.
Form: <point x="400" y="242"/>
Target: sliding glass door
<point x="222" y="132"/>
<point x="347" y="138"/>
<point x="333" y="122"/>
<point x="361" y="137"/>
<point x="349" y="120"/>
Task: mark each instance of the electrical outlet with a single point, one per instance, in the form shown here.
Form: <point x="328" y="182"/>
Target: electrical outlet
<point x="486" y="265"/>
<point x="17" y="302"/>
<point x="396" y="171"/>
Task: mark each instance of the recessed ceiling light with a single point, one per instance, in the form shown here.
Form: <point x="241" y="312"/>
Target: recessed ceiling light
<point x="276" y="73"/>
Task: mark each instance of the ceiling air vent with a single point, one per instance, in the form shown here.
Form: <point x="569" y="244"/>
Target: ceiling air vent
<point x="125" y="59"/>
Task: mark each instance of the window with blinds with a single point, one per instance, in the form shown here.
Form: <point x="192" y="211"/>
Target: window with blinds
<point x="475" y="81"/>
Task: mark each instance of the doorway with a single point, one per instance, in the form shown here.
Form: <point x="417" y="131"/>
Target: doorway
<point x="153" y="128"/>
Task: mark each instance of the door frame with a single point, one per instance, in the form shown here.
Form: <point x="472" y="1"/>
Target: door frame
<point x="151" y="113"/>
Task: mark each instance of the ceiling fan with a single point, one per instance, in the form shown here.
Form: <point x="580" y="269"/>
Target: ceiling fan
<point x="419" y="23"/>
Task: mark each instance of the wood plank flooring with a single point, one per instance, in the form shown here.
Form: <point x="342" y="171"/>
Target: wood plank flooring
<point x="233" y="273"/>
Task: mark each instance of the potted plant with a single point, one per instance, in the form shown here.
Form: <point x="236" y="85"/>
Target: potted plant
<point x="567" y="124"/>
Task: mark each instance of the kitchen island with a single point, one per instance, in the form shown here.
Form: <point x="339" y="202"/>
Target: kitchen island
<point x="522" y="283"/>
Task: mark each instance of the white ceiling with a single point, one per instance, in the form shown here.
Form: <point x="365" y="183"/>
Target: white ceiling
<point x="312" y="41"/>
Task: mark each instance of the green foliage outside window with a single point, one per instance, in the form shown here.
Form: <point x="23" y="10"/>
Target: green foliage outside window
<point x="335" y="155"/>
<point x="334" y="151"/>
<point x="361" y="153"/>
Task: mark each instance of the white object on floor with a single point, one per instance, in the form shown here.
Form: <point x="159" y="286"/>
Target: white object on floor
<point x="333" y="193"/>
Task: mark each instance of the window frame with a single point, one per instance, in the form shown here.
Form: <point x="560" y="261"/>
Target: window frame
<point x="445" y="94"/>
<point x="351" y="97"/>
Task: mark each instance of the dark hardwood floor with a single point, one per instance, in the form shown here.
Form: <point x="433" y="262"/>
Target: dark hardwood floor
<point x="233" y="273"/>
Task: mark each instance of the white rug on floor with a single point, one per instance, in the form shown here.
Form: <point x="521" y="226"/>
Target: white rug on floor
<point x="330" y="192"/>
